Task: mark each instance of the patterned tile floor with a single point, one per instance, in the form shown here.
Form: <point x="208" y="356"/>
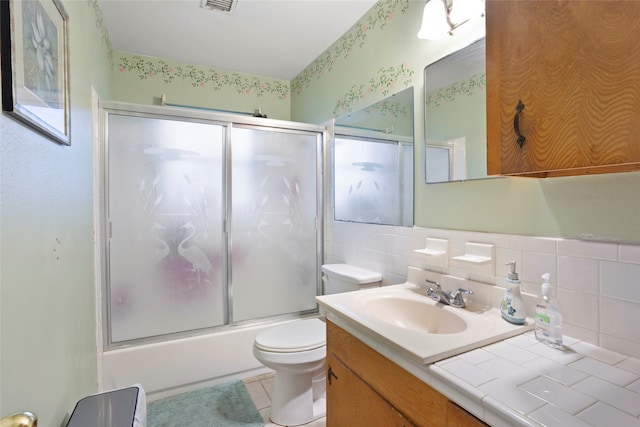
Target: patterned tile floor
<point x="260" y="390"/>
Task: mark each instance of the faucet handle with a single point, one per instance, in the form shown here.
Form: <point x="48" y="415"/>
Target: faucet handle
<point x="457" y="297"/>
<point x="433" y="282"/>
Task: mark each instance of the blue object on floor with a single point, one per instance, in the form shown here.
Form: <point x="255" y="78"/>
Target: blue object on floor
<point x="225" y="405"/>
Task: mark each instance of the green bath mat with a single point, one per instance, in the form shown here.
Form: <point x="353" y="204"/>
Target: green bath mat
<point x="225" y="405"/>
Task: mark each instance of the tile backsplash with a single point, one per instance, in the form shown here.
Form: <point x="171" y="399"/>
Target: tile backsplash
<point x="597" y="283"/>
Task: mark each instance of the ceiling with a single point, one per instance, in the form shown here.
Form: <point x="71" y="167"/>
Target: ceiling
<point x="267" y="38"/>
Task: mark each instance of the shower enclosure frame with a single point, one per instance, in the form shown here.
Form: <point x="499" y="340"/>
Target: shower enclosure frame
<point x="228" y="122"/>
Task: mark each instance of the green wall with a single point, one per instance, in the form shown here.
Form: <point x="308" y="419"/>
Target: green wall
<point x="382" y="55"/>
<point x="48" y="350"/>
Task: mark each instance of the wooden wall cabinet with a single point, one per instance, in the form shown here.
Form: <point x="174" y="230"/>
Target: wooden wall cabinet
<point x="575" y="65"/>
<point x="366" y="389"/>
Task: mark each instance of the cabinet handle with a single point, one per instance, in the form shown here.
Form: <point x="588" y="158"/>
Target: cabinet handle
<point x="516" y="123"/>
<point x="330" y="374"/>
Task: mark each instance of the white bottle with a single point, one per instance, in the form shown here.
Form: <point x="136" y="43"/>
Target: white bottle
<point x="548" y="316"/>
<point x="512" y="305"/>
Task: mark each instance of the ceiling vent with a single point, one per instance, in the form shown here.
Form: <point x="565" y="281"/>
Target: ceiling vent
<point x="226" y="6"/>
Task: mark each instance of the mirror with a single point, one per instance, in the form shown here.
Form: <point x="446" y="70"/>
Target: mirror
<point x="373" y="163"/>
<point x="455" y="116"/>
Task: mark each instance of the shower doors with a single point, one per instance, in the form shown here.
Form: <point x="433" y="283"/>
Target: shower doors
<point x="208" y="222"/>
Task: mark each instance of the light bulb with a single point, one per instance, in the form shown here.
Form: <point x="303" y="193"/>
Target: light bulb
<point x="434" y="21"/>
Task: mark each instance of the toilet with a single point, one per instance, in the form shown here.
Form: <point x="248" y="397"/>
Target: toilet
<point x="297" y="352"/>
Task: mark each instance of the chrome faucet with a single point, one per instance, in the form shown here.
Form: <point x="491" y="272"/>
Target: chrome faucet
<point x="445" y="297"/>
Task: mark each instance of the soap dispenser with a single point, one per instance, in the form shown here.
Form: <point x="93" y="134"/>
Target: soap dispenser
<point x="548" y="316"/>
<point x="512" y="306"/>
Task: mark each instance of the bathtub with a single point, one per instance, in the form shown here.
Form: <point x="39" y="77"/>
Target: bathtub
<point x="172" y="367"/>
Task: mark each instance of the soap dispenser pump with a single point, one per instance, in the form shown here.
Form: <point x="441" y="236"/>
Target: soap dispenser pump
<point x="512" y="306"/>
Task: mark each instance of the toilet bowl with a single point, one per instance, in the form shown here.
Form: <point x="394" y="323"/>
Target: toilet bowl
<point x="297" y="352"/>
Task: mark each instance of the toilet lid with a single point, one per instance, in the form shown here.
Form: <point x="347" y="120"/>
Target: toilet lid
<point x="302" y="335"/>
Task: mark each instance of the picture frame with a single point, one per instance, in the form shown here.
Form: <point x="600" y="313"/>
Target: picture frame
<point x="35" y="65"/>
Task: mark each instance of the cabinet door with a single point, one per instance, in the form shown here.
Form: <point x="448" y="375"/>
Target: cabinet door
<point x="575" y="65"/>
<point x="351" y="402"/>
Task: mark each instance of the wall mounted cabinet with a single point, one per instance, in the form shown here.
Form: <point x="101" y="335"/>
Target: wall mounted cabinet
<point x="575" y="68"/>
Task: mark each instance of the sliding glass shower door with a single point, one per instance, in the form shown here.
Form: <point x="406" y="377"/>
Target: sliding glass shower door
<point x="273" y="222"/>
<point x="166" y="211"/>
<point x="208" y="223"/>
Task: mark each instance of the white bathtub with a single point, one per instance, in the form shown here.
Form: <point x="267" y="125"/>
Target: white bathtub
<point x="172" y="367"/>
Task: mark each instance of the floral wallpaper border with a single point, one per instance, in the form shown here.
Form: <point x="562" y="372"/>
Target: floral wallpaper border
<point x="383" y="82"/>
<point x="93" y="4"/>
<point x="244" y="84"/>
<point x="467" y="87"/>
<point x="389" y="108"/>
<point x="355" y="37"/>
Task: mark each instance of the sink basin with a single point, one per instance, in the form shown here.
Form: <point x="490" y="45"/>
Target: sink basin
<point x="402" y="318"/>
<point x="422" y="316"/>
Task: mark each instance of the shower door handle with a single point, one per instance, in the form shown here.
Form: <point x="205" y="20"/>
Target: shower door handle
<point x="331" y="374"/>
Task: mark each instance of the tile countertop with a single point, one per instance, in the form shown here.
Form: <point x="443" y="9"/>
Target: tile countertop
<point x="522" y="382"/>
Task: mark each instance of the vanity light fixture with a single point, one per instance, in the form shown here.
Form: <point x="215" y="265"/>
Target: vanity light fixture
<point x="440" y="17"/>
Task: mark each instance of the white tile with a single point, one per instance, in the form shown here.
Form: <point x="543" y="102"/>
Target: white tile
<point x="602" y="414"/>
<point x="534" y="264"/>
<point x="578" y="274"/>
<point x="510" y="352"/>
<point x="564" y="356"/>
<point x="550" y="416"/>
<point x="635" y="387"/>
<point x="556" y="371"/>
<point x="629" y="348"/>
<point x="630" y="364"/>
<point x="511" y="396"/>
<point x="618" y="397"/>
<point x="629" y="253"/>
<point x="497" y="414"/>
<point x="563" y="397"/>
<point x="477" y="356"/>
<point x="522" y="341"/>
<point x="579" y="308"/>
<point x="468" y="372"/>
<point x="619" y="318"/>
<point x="605" y="371"/>
<point x="503" y="369"/>
<point x="583" y="334"/>
<point x="596" y="352"/>
<point x="535" y="244"/>
<point x="598" y="250"/>
<point x="620" y="280"/>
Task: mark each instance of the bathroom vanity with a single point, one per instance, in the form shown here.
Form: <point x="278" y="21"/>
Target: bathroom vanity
<point x="394" y="358"/>
<point x="365" y="388"/>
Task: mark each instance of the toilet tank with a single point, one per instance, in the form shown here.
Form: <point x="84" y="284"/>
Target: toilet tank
<point x="345" y="278"/>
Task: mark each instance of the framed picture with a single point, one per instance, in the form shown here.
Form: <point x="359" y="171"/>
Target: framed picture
<point x="35" y="65"/>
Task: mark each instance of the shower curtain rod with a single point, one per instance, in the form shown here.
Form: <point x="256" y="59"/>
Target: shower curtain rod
<point x="257" y="113"/>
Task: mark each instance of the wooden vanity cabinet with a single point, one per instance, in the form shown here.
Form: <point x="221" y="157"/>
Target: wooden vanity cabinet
<point x="366" y="389"/>
<point x="575" y="65"/>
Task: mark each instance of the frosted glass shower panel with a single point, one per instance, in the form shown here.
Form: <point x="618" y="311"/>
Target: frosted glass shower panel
<point x="273" y="222"/>
<point x="165" y="209"/>
<point x="368" y="185"/>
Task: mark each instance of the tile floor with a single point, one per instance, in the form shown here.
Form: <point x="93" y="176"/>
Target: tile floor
<point x="260" y="390"/>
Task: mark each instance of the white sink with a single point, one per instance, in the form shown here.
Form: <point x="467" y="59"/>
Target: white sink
<point x="418" y="315"/>
<point x="404" y="319"/>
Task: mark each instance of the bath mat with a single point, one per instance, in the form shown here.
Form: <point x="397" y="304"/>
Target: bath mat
<point x="225" y="405"/>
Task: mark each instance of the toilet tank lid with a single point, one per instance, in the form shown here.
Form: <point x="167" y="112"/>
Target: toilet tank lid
<point x="351" y="273"/>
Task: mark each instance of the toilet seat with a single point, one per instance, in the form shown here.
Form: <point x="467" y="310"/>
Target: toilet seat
<point x="303" y="335"/>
